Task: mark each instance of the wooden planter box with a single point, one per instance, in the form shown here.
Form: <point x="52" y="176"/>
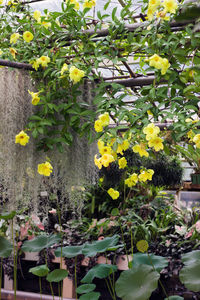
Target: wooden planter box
<point x="68" y="285"/>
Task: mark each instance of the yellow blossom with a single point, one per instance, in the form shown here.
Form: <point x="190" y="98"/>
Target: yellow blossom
<point x="190" y="135"/>
<point x="46" y="24"/>
<point x="97" y="162"/>
<point x="150" y="13"/>
<point x="35" y="64"/>
<point x="98" y="126"/>
<point x="165" y="66"/>
<point x="101" y="179"/>
<point x="154" y="3"/>
<point x="89" y="3"/>
<point x="114" y="194"/>
<point x="105" y="119"/>
<point x="35" y="97"/>
<point x="45" y="169"/>
<point x="142" y="246"/>
<point x="150" y="174"/>
<point x="1" y="52"/>
<point x="151" y="130"/>
<point x="196" y="140"/>
<point x="170" y="6"/>
<point x="64" y="69"/>
<point x="123" y="147"/>
<point x="162" y="15"/>
<point x="132" y="180"/>
<point x="43" y="60"/>
<point x="22" y="138"/>
<point x="105" y="150"/>
<point x="122" y="163"/>
<point x="14" y="37"/>
<point x="156" y="143"/>
<point x="76" y="74"/>
<point x="13" y="52"/>
<point x="155" y="61"/>
<point x="106" y="159"/>
<point x="75" y="3"/>
<point x="1" y="2"/>
<point x="27" y="36"/>
<point x="145" y="175"/>
<point x="140" y="148"/>
<point x="37" y="16"/>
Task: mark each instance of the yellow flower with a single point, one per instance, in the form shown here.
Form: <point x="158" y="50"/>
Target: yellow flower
<point x="35" y="97"/>
<point x="140" y="148"/>
<point x="43" y="60"/>
<point x="13" y="52"/>
<point x="122" y="163"/>
<point x="105" y="150"/>
<point x="76" y="4"/>
<point x="1" y="52"/>
<point x="114" y="194"/>
<point x="150" y="173"/>
<point x="89" y="3"/>
<point x="165" y="66"/>
<point x="97" y="162"/>
<point x="151" y="130"/>
<point x="14" y="37"/>
<point x="142" y="246"/>
<point x="150" y="13"/>
<point x="132" y="180"/>
<point x="123" y="147"/>
<point x="162" y="15"/>
<point x="22" y="138"/>
<point x="64" y="69"/>
<point x="37" y="16"/>
<point x="76" y="74"/>
<point x="100" y="144"/>
<point x="155" y="61"/>
<point x="1" y="2"/>
<point x="170" y="6"/>
<point x="101" y="179"/>
<point x="154" y="3"/>
<point x="27" y="36"/>
<point x="144" y="176"/>
<point x="45" y="169"/>
<point x="190" y="135"/>
<point x="46" y="24"/>
<point x="196" y="140"/>
<point x="98" y="126"/>
<point x="35" y="64"/>
<point x="156" y="143"/>
<point x="105" y="119"/>
<point x="106" y="159"/>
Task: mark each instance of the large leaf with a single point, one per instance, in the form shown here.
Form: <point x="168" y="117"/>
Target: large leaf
<point x="40" y="271"/>
<point x="190" y="277"/>
<point x="5" y="247"/>
<point x="99" y="271"/>
<point x="41" y="242"/>
<point x="90" y="296"/>
<point x="137" y="283"/>
<point x="191" y="258"/>
<point x="109" y="243"/>
<point x="69" y="251"/>
<point x="85" y="288"/>
<point x="174" y="298"/>
<point x="8" y="215"/>
<point x="158" y="262"/>
<point x="57" y="275"/>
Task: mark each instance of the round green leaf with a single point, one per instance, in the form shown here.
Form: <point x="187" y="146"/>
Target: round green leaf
<point x="190" y="276"/>
<point x="191" y="257"/>
<point x="158" y="262"/>
<point x="5" y="247"/>
<point x="115" y="212"/>
<point x="85" y="288"/>
<point x="41" y="242"/>
<point x="137" y="283"/>
<point x="8" y="215"/>
<point x="40" y="271"/>
<point x="90" y="296"/>
<point x="69" y="251"/>
<point x="99" y="271"/>
<point x="57" y="275"/>
<point x="174" y="298"/>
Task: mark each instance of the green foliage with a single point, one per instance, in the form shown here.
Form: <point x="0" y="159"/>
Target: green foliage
<point x="174" y="298"/>
<point x="57" y="275"/>
<point x="41" y="242"/>
<point x="85" y="288"/>
<point x="40" y="271"/>
<point x="158" y="262"/>
<point x="129" y="284"/>
<point x="5" y="247"/>
<point x="90" y="296"/>
<point x="99" y="271"/>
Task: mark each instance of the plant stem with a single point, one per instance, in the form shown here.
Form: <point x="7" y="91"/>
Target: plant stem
<point x="112" y="287"/>
<point x="75" y="278"/>
<point x="1" y="275"/>
<point x="40" y="285"/>
<point x="109" y="289"/>
<point x="14" y="260"/>
<point x="51" y="289"/>
<point x="120" y="225"/>
<point x="132" y="243"/>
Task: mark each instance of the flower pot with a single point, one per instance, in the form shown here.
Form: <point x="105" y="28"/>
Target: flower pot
<point x="195" y="178"/>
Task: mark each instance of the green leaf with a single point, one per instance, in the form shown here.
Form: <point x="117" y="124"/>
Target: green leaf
<point x="115" y="212"/>
<point x="158" y="262"/>
<point x="174" y="298"/>
<point x="5" y="247"/>
<point x="8" y="215"/>
<point x="137" y="283"/>
<point x="99" y="271"/>
<point x="40" y="271"/>
<point x="100" y="246"/>
<point x="57" y="275"/>
<point x="190" y="273"/>
<point x="69" y="251"/>
<point x="41" y="242"/>
<point x="90" y="296"/>
<point x="85" y="288"/>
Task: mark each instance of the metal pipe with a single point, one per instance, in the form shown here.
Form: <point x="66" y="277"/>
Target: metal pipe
<point x="9" y="295"/>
